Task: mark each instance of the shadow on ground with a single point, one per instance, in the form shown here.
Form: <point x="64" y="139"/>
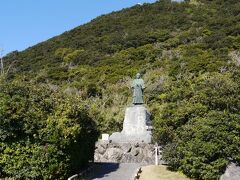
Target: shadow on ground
<point x="102" y="170"/>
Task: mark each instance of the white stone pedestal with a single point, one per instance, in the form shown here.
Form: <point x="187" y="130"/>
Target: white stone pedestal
<point x="135" y="126"/>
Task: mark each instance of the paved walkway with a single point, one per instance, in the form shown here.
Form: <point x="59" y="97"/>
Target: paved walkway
<point x="114" y="171"/>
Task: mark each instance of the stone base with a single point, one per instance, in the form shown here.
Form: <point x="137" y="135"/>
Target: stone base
<point x="125" y="153"/>
<point x="135" y="126"/>
<point x="118" y="137"/>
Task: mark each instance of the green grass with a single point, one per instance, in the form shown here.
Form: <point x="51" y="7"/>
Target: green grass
<point x="160" y="173"/>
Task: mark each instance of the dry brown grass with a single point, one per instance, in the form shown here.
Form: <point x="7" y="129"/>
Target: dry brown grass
<point x="160" y="173"/>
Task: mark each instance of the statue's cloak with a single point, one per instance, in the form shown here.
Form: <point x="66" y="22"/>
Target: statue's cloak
<point x="137" y="86"/>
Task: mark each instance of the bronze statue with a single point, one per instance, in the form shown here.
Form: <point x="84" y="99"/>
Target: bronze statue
<point x="138" y="87"/>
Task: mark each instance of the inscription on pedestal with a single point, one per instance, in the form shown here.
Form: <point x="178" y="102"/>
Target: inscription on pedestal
<point x="135" y="126"/>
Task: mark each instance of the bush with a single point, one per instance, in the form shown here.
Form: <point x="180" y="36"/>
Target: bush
<point x="44" y="134"/>
<point x="199" y="124"/>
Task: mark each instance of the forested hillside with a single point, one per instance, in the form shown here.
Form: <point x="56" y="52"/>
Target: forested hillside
<point x="189" y="55"/>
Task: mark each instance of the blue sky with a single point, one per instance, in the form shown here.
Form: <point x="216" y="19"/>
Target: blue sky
<point x="24" y="23"/>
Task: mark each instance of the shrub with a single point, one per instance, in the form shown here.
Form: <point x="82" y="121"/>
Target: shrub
<point x="44" y="134"/>
<point x="199" y="124"/>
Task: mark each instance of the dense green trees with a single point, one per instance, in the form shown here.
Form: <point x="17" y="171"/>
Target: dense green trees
<point x="189" y="55"/>
<point x="199" y="121"/>
<point x="44" y="134"/>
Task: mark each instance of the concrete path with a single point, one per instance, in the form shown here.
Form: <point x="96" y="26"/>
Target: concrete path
<point x="114" y="171"/>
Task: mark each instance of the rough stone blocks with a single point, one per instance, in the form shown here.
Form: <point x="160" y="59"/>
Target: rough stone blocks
<point x="124" y="152"/>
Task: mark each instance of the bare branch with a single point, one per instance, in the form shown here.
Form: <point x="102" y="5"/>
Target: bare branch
<point x="1" y="59"/>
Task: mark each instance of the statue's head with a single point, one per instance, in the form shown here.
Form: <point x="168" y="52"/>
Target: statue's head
<point x="138" y="75"/>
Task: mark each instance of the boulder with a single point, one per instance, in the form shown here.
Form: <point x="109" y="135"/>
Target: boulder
<point x="126" y="147"/>
<point x="114" y="154"/>
<point x="232" y="172"/>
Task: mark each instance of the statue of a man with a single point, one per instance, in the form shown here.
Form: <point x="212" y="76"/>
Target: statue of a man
<point x="137" y="87"/>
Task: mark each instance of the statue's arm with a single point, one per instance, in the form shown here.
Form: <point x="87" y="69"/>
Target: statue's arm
<point x="143" y="85"/>
<point x="132" y="85"/>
